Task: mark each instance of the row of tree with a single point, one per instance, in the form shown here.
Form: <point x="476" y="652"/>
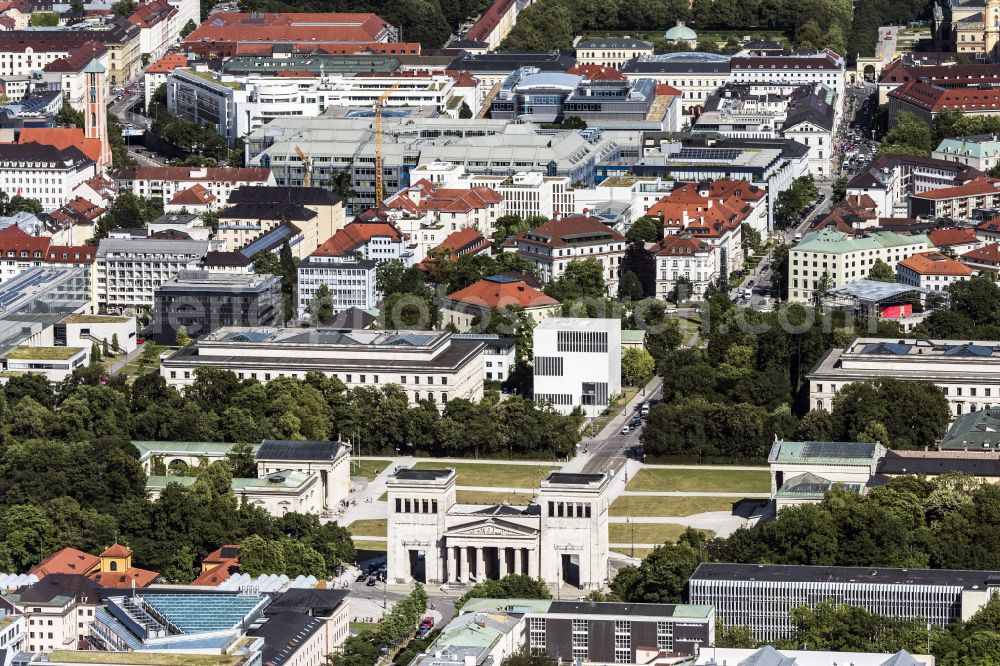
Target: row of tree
<point x="397" y="625"/>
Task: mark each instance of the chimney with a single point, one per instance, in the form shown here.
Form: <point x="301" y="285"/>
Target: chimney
<point x="555" y="215"/>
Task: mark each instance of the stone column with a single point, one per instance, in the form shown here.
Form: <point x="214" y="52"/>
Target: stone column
<point x="480" y="565"/>
<point x="501" y="562"/>
<point x="463" y="570"/>
<point x="452" y="576"/>
<point x="533" y="563"/>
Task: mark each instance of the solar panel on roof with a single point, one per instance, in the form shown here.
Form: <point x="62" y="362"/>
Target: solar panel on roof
<point x="886" y="349"/>
<point x="727" y="154"/>
<point x="969" y="350"/>
<point x="269" y="239"/>
<point x="251" y="336"/>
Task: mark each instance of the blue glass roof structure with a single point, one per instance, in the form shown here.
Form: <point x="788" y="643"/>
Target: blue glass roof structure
<point x="886" y="349"/>
<point x="969" y="350"/>
<point x="195" y="613"/>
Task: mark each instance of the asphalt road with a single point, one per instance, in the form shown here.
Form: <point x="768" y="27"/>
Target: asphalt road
<point x="608" y="453"/>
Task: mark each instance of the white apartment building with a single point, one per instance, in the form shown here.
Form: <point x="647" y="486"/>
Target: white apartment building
<point x="931" y="270"/>
<point x="159" y="27"/>
<point x="979" y="151"/>
<point x="683" y="255"/>
<point x="843" y="258"/>
<point x="967" y="372"/>
<point x="57" y="611"/>
<point x="554" y="244"/>
<point x="787" y="68"/>
<point x="165" y="182"/>
<point x="890" y="180"/>
<point x="13" y="628"/>
<point x="610" y="51"/>
<point x="427" y="365"/>
<point x="43" y="172"/>
<point x="351" y="282"/>
<point x="237" y="105"/>
<point x="696" y="75"/>
<point x="373" y="240"/>
<point x="130" y="269"/>
<point x="577" y="363"/>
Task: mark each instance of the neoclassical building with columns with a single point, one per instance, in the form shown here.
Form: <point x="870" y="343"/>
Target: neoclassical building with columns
<point x="562" y="536"/>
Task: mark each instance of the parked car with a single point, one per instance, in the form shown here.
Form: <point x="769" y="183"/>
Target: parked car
<point x="371" y="581"/>
<point x="361" y="577"/>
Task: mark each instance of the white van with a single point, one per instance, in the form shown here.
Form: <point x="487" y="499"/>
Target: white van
<point x="644" y="411"/>
<point x="798" y="237"/>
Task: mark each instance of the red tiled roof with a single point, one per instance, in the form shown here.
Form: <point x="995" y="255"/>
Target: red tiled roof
<point x="489" y="20"/>
<point x="62" y="138"/>
<point x="935" y="263"/>
<point x="977" y="186"/>
<point x="682" y="244"/>
<point x="989" y="254"/>
<point x="464" y="240"/>
<point x="356" y="234"/>
<point x="597" y="73"/>
<point x="237" y="27"/>
<point x="13" y="239"/>
<point x="929" y="97"/>
<point x="945" y="237"/>
<point x="217" y="574"/>
<point x="117" y="550"/>
<point x="71" y="254"/>
<point x="66" y="560"/>
<point x="664" y="89"/>
<point x="490" y="293"/>
<point x="152" y="13"/>
<point x="423" y="196"/>
<point x="168" y="63"/>
<point x="80" y="58"/>
<point x="121" y="580"/>
<point x="564" y="231"/>
<point x="196" y="195"/>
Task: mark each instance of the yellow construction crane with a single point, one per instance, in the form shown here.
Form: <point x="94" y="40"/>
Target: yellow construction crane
<point x="307" y="164"/>
<point x="379" y="103"/>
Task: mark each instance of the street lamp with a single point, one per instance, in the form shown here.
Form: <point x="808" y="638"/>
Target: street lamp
<point x="385" y="584"/>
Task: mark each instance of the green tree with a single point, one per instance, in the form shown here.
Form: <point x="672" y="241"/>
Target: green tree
<point x="150" y="354"/>
<point x="582" y="278"/>
<point x="638" y="366"/>
<point x="124" y="8"/>
<point x="321" y="305"/>
<point x="661" y="577"/>
<point x="839" y="189"/>
<point x="188" y="28"/>
<point x="630" y="287"/>
<point x="182" y="338"/>
<point x="68" y="116"/>
<point x="645" y="229"/>
<point x="115" y="345"/>
<point x="910" y="135"/>
<point x="750" y="239"/>
<point x="734" y="637"/>
<point x="512" y="586"/>
<point x="261" y="556"/>
<point x="464" y="111"/>
<point x="242" y="461"/>
<point x="882" y="272"/>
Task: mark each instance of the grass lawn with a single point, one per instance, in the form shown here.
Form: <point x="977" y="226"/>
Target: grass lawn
<point x="641" y="553"/>
<point x="368" y="468"/>
<point x="143" y="659"/>
<point x="494" y="475"/>
<point x="370" y="547"/>
<point x="498" y="497"/>
<point x="370" y="527"/>
<point x="43" y="353"/>
<point x="647" y="532"/>
<point x="701" y="480"/>
<point x="362" y="627"/>
<point x="645" y="505"/>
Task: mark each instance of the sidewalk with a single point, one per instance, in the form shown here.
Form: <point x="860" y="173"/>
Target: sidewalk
<point x="116" y="367"/>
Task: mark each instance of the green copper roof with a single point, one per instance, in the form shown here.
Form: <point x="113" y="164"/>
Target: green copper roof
<point x="156" y="482"/>
<point x="94" y="68"/>
<point x="831" y="241"/>
<point x="290" y="480"/>
<point x="511" y="605"/>
<point x="147" y="449"/>
<point x="825" y="453"/>
<point x="633" y="337"/>
<point x="693" y="610"/>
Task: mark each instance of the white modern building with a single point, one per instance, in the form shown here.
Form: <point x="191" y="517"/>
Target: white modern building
<point x="130" y="269"/>
<point x="577" y="363"/>
<point x="427" y="365"/>
<point x="837" y="258"/>
<point x="561" y="537"/>
<point x="82" y="330"/>
<point x="967" y="372"/>
<point x="786" y="68"/>
<point x="351" y="282"/>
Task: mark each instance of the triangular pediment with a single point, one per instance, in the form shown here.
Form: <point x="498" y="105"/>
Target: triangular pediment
<point x="492" y="527"/>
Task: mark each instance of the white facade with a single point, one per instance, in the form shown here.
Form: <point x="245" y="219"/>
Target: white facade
<point x="690" y="258"/>
<point x="13" y="636"/>
<point x="426" y="365"/>
<point x="351" y="283"/>
<point x="932" y="271"/>
<point x="130" y="270"/>
<point x="44" y="173"/>
<point x="824" y="67"/>
<point x="433" y="539"/>
<point x="610" y="51"/>
<point x="967" y="372"/>
<point x="577" y="363"/>
<point x="843" y="259"/>
<point x="84" y="330"/>
<point x="57" y="624"/>
<point x="165" y="182"/>
<point x="54" y="363"/>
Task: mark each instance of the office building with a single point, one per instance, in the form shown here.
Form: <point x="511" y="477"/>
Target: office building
<point x="159" y="27"/>
<point x="932" y="271"/>
<point x="427" y="365"/>
<point x="610" y="51"/>
<point x="165" y="182"/>
<point x="762" y="596"/>
<point x="528" y="94"/>
<point x="696" y="75"/>
<point x="201" y="302"/>
<point x="375" y="240"/>
<point x="257" y="209"/>
<point x="561" y="537"/>
<point x="837" y="258"/>
<point x="577" y="363"/>
<point x="129" y="270"/>
<point x="351" y="282"/>
<point x="482" y="146"/>
<point x="926" y="100"/>
<point x="62" y="605"/>
<point x="500" y="356"/>
<point x="967" y="372"/>
<point x="554" y="244"/>
<point x="43" y="172"/>
<point x="487" y="630"/>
